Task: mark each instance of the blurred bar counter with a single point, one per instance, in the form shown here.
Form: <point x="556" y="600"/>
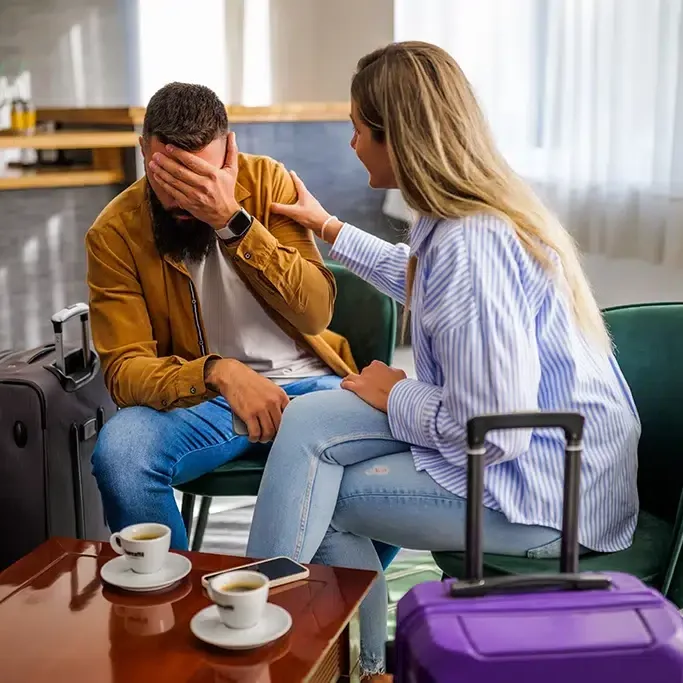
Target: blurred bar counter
<point x="94" y="146"/>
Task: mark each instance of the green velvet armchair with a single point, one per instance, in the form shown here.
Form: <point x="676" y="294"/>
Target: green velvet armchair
<point x="648" y="340"/>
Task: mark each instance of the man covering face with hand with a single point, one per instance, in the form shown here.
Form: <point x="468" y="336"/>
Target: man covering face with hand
<point x="203" y="303"/>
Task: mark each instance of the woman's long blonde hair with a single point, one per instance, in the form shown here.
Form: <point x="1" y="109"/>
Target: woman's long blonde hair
<point x="414" y="96"/>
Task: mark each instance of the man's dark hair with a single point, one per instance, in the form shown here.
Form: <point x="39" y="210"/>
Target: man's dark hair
<point x="186" y="115"/>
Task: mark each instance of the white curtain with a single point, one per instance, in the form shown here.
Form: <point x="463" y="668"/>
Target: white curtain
<point x="585" y="98"/>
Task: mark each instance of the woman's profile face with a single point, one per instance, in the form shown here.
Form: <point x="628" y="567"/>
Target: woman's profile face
<point x="372" y="154"/>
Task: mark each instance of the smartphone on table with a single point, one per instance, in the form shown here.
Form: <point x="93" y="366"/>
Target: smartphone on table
<point x="279" y="570"/>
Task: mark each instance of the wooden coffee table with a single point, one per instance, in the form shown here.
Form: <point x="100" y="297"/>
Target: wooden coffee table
<point x="58" y="623"/>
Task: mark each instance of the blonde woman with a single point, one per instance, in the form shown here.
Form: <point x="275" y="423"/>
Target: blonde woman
<point x="502" y="320"/>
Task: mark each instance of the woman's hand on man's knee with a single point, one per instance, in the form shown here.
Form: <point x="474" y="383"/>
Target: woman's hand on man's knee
<point x="374" y="384"/>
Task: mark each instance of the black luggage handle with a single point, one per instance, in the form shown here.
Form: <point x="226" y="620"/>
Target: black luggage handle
<point x="477" y="428"/>
<point x="58" y="321"/>
<point x="571" y="423"/>
<point x="525" y="583"/>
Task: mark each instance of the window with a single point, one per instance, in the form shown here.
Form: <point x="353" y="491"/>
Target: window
<point x="181" y="41"/>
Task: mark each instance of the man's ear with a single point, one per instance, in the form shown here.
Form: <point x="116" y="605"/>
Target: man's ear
<point x="142" y="143"/>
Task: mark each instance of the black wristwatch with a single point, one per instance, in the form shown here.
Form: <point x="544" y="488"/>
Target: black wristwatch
<point x="237" y="226"/>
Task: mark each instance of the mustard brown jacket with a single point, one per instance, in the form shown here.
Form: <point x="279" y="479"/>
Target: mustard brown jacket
<point x="146" y="320"/>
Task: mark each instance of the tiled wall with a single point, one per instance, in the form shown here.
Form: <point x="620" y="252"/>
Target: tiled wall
<point x="42" y="262"/>
<point x="79" y="52"/>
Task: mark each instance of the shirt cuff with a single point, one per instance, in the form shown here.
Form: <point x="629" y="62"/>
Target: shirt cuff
<point x="357" y="250"/>
<point x="190" y="383"/>
<point x="256" y="247"/>
<point x="412" y="410"/>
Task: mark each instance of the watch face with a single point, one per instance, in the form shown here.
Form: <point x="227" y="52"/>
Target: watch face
<point x="240" y="223"/>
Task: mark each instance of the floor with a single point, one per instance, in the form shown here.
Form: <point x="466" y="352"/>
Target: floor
<point x="616" y="282"/>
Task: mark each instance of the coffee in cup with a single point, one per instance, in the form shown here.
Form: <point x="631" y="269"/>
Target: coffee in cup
<point x="240" y="587"/>
<point x="147" y="536"/>
<point x="240" y="596"/>
<point x="145" y="546"/>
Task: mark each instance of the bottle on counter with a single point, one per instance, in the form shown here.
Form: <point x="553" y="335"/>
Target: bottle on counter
<point x="29" y="157"/>
<point x="29" y="106"/>
<point x="30" y="117"/>
<point x="47" y="157"/>
<point x="17" y="115"/>
<point x="5" y="114"/>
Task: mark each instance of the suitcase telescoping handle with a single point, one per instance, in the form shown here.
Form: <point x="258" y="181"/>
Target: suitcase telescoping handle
<point x="477" y="429"/>
<point x="58" y="321"/>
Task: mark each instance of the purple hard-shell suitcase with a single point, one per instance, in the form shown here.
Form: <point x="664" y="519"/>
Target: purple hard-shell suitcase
<point x="566" y="627"/>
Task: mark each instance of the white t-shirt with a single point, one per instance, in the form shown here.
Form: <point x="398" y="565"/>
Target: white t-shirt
<point x="238" y="327"/>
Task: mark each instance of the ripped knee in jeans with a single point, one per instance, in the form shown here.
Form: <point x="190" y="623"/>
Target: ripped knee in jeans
<point x="551" y="550"/>
<point x="546" y="551"/>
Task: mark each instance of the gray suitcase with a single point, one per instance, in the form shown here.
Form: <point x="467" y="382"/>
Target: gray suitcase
<point x="52" y="405"/>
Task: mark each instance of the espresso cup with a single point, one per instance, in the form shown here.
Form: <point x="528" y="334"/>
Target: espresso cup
<point x="240" y="596"/>
<point x="145" y="546"/>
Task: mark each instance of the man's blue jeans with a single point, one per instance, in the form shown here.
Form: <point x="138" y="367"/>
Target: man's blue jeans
<point x="142" y="453"/>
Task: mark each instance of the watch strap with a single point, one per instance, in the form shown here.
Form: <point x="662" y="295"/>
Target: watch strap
<point x="226" y="234"/>
<point x="237" y="226"/>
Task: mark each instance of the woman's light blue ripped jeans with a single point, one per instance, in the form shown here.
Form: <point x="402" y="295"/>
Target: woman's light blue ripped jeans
<point x="336" y="478"/>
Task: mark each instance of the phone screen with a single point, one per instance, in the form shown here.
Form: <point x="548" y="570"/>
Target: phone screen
<point x="277" y="568"/>
<point x="239" y="427"/>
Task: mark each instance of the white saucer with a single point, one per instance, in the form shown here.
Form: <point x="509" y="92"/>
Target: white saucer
<point x="207" y="626"/>
<point x="117" y="572"/>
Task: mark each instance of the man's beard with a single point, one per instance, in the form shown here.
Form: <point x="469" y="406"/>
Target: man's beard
<point x="176" y="236"/>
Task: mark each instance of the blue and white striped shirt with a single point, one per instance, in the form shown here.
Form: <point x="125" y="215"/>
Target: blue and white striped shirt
<point x="493" y="332"/>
